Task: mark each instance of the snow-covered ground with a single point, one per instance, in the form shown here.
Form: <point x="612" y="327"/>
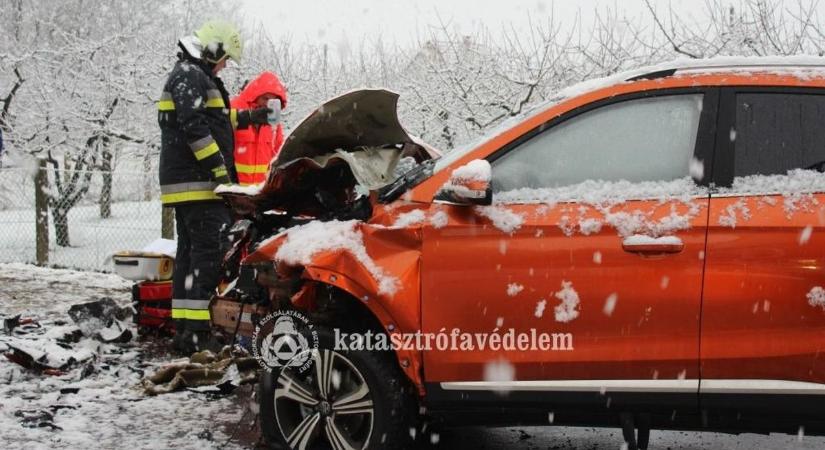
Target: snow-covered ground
<point x="93" y="240"/>
<point x="109" y="410"/>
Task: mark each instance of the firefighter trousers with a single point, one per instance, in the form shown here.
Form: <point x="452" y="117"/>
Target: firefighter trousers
<point x="202" y="241"/>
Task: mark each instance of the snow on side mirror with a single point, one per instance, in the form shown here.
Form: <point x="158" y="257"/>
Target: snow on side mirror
<point x="468" y="185"/>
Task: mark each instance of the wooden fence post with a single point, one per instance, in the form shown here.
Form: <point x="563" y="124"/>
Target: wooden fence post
<point x="41" y="209"/>
<point x="167" y="227"/>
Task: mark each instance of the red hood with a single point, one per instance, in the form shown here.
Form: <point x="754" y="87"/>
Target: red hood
<point x="266" y="83"/>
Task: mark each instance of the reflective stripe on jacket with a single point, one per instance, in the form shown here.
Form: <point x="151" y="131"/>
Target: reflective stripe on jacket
<point x="256" y="146"/>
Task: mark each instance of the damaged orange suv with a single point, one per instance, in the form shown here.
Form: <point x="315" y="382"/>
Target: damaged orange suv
<point x="648" y="245"/>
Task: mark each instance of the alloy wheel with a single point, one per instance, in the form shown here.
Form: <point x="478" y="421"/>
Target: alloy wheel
<point x="330" y="405"/>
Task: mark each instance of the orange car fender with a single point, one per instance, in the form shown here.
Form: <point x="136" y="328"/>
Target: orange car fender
<point x="389" y="284"/>
<point x="409" y="360"/>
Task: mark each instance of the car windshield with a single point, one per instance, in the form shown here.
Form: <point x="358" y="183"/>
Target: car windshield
<point x="459" y="152"/>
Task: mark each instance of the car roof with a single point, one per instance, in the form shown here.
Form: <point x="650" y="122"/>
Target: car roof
<point x="786" y="65"/>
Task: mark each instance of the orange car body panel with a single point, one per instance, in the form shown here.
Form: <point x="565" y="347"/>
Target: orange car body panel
<point x="397" y="252"/>
<point x="654" y="330"/>
<point x="468" y="265"/>
<point x="757" y="322"/>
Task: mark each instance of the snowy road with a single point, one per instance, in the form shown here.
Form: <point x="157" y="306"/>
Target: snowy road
<point x="107" y="411"/>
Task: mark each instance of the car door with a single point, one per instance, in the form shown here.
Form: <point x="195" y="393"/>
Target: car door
<point x="763" y="317"/>
<point x="596" y="234"/>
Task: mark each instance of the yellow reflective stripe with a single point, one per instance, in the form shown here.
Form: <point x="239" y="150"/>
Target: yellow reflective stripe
<point x="207" y="151"/>
<point x="190" y="314"/>
<point x="215" y="103"/>
<point x="251" y="168"/>
<point x="190" y="196"/>
<point x="233" y="117"/>
<point x="219" y="171"/>
<point x="166" y="105"/>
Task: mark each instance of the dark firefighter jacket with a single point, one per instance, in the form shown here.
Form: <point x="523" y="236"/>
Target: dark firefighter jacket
<point x="196" y="127"/>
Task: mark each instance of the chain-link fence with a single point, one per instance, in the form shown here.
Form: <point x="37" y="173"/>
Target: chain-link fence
<point x="90" y="215"/>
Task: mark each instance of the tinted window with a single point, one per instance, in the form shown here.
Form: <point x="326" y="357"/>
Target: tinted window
<point x="778" y="132"/>
<point x="636" y="140"/>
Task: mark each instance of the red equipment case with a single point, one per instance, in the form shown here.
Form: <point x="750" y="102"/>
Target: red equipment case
<point x="153" y="305"/>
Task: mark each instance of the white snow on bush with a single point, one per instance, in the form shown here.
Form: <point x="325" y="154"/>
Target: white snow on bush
<point x="502" y="218"/>
<point x="567" y="309"/>
<point x="475" y="170"/>
<point x="305" y="241"/>
<point x="641" y="239"/>
<point x="513" y="289"/>
<point x="805" y="235"/>
<point x="439" y="220"/>
<point x="816" y="297"/>
<point x="610" y="304"/>
<point x="410" y="218"/>
<point x="540" y="308"/>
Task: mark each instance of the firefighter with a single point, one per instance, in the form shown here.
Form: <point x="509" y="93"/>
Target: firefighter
<point x="256" y="146"/>
<point x="196" y="156"/>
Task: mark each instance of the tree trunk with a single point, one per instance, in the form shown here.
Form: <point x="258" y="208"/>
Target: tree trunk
<point x="148" y="180"/>
<point x="41" y="208"/>
<point x="106" y="189"/>
<point x="61" y="226"/>
<point x="167" y="226"/>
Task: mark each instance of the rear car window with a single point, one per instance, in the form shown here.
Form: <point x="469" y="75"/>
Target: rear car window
<point x="647" y="139"/>
<point x="778" y="132"/>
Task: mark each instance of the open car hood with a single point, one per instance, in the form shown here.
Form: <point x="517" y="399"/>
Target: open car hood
<point x="357" y="119"/>
<point x="347" y="147"/>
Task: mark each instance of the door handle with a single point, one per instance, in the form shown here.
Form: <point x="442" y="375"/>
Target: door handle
<point x="646" y="245"/>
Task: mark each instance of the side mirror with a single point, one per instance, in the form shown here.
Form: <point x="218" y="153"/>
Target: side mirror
<point x="468" y="185"/>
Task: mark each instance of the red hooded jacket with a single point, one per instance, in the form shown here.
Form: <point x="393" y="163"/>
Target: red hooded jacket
<point x="256" y="146"/>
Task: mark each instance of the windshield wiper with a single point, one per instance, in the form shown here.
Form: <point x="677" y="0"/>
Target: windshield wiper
<point x="416" y="175"/>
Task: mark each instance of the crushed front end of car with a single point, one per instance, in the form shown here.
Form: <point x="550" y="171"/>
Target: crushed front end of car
<point x="318" y="235"/>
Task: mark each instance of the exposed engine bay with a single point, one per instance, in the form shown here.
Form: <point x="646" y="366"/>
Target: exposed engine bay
<point x="334" y="159"/>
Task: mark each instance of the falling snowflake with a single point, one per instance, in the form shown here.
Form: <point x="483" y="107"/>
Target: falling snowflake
<point x="540" y="308"/>
<point x="610" y="304"/>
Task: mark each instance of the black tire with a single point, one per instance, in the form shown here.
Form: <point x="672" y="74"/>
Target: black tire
<point x="392" y="398"/>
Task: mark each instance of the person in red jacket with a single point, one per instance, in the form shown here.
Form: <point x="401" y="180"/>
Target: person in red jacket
<point x="256" y="146"/>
